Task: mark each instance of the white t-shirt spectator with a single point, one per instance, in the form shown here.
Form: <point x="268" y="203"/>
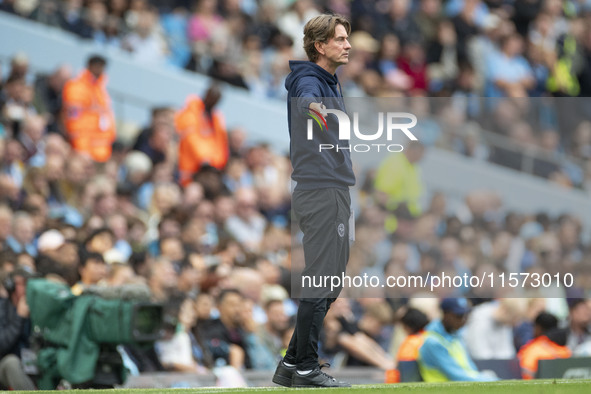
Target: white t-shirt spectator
<point x="485" y="337"/>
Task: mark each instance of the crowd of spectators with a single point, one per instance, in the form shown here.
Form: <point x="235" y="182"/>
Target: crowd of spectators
<point x="461" y="49"/>
<point x="422" y="47"/>
<point x="216" y="247"/>
<point x="416" y="47"/>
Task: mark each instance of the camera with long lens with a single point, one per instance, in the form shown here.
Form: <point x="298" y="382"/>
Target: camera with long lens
<point x="77" y="336"/>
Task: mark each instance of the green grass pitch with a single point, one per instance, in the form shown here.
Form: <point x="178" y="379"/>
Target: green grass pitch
<point x="502" y="387"/>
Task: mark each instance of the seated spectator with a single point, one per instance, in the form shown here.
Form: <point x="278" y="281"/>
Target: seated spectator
<point x="100" y="240"/>
<point x="158" y="142"/>
<point x="489" y="329"/>
<point x="225" y="337"/>
<point x="270" y="334"/>
<point x="90" y="26"/>
<point x="16" y="103"/>
<point x="202" y="23"/>
<point x="144" y="42"/>
<point x="31" y="138"/>
<point x="163" y="280"/>
<point x="48" y="94"/>
<point x="161" y="114"/>
<point x="412" y="62"/>
<point x="5" y="224"/>
<point x="15" y="329"/>
<point x="413" y="322"/>
<point x="121" y="274"/>
<point x="342" y="333"/>
<point x="23" y="234"/>
<point x="47" y="12"/>
<point x="548" y="344"/>
<point x="92" y="270"/>
<point x="247" y="226"/>
<point x="176" y="351"/>
<point x="521" y="135"/>
<point x="579" y="319"/>
<point x="509" y="74"/>
<point x="443" y="356"/>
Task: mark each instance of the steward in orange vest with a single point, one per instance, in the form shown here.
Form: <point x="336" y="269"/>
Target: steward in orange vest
<point x="413" y="322"/>
<point x="203" y="137"/>
<point x="87" y="114"/>
<point x="546" y="345"/>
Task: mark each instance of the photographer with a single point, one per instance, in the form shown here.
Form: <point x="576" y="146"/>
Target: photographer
<point x="14" y="332"/>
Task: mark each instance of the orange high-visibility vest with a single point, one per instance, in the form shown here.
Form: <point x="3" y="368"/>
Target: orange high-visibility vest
<point x="409" y="348"/>
<point x="88" y="117"/>
<point x="540" y="348"/>
<point x="408" y="351"/>
<point x="203" y="140"/>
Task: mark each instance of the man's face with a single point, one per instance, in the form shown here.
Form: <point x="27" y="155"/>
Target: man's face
<point x="96" y="69"/>
<point x="278" y="320"/>
<point x="336" y="50"/>
<point x="24" y="230"/>
<point x="93" y="272"/>
<point x="453" y="322"/>
<point x="230" y="308"/>
<point x="580" y="315"/>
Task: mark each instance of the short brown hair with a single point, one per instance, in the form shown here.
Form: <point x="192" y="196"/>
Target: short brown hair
<point x="321" y="29"/>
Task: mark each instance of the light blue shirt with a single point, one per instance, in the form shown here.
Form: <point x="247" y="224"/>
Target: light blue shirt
<point x="434" y="354"/>
<point x="503" y="68"/>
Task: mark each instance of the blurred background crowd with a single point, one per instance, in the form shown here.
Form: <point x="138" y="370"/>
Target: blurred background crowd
<point x="207" y="231"/>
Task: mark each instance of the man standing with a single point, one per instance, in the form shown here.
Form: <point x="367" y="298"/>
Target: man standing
<point x="321" y="200"/>
<point x="202" y="134"/>
<point x="88" y="117"/>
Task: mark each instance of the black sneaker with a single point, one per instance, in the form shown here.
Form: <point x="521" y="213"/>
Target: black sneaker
<point x="283" y="374"/>
<point x="317" y="378"/>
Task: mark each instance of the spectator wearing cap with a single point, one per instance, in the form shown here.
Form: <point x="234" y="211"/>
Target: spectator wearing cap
<point x="443" y="356"/>
<point x="88" y="117"/>
<point x="548" y="344"/>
